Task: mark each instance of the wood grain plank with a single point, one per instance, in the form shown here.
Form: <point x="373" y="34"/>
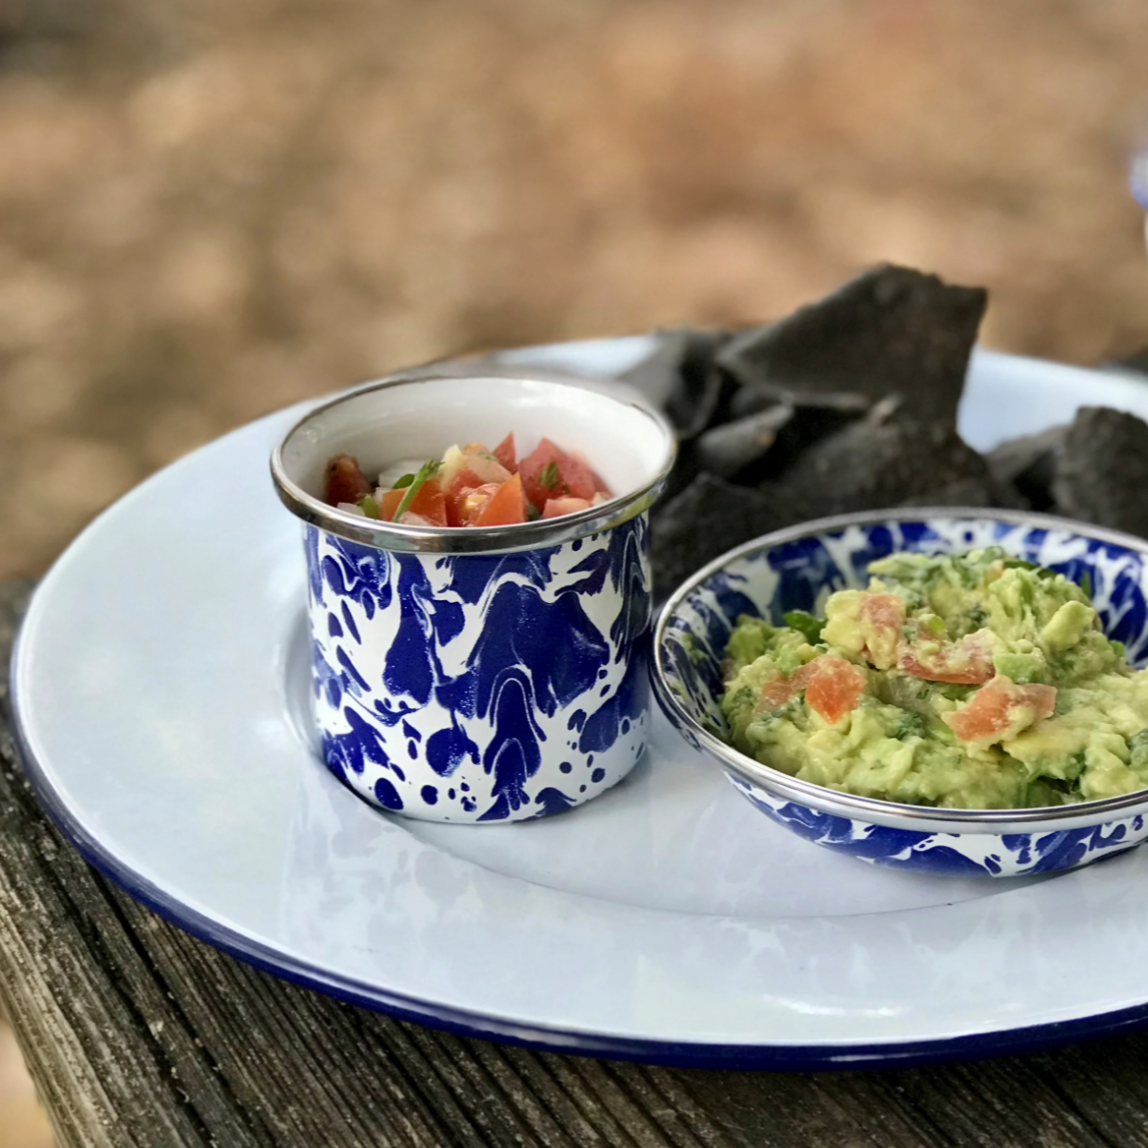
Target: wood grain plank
<point x="139" y="1035"/>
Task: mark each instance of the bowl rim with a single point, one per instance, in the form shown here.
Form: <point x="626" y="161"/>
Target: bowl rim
<point x="889" y="813"/>
<point x="542" y="532"/>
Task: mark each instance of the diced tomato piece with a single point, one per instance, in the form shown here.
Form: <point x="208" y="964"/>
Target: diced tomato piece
<point x="599" y="486"/>
<point x="428" y="503"/>
<point x="835" y="687"/>
<point x="472" y="502"/>
<point x="556" y="507"/>
<point x="505" y="506"/>
<point x="344" y="481"/>
<point x="778" y="690"/>
<point x="1002" y="707"/>
<point x="390" y="504"/>
<point x="462" y="485"/>
<point x="504" y="452"/>
<point x="967" y="662"/>
<point x="774" y="694"/>
<point x="832" y="687"/>
<point x="532" y="466"/>
<point x="579" y="479"/>
<point x="884" y="610"/>
<point x="882" y="616"/>
<point x="571" y="474"/>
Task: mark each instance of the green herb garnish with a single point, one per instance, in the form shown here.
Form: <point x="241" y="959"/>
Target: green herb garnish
<point x="404" y="482"/>
<point x="911" y="724"/>
<point x="532" y="512"/>
<point x="548" y="475"/>
<point x="805" y="624"/>
<point x="368" y="506"/>
<point x="1020" y="564"/>
<point x="427" y="471"/>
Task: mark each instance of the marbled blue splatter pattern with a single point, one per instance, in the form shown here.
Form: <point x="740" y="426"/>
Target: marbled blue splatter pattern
<point x="478" y="687"/>
<point x="800" y="574"/>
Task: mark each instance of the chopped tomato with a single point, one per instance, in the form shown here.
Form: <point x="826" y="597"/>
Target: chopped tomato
<point x="464" y="483"/>
<point x="835" y="687"/>
<point x="578" y="476"/>
<point x="390" y="504"/>
<point x="505" y="506"/>
<point x="778" y="689"/>
<point x="532" y="467"/>
<point x="504" y="452"/>
<point x="428" y="504"/>
<point x="999" y="708"/>
<point x="472" y="502"/>
<point x="774" y="694"/>
<point x="967" y="662"/>
<point x="556" y="507"/>
<point x="882" y="616"/>
<point x="832" y="687"/>
<point x="345" y="482"/>
<point x="549" y="472"/>
<point x="884" y="610"/>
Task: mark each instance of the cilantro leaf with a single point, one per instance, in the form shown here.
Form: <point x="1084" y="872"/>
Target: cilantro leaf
<point x="427" y="471"/>
<point x="805" y="624"/>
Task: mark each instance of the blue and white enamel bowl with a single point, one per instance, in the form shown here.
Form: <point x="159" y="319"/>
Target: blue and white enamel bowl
<point x="479" y="674"/>
<point x="798" y="569"/>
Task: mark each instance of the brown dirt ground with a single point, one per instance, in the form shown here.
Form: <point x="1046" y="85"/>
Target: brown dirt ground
<point x="211" y="209"/>
<point x="208" y="210"/>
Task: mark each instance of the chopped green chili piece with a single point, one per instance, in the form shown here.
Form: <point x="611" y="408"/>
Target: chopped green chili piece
<point x="368" y="506"/>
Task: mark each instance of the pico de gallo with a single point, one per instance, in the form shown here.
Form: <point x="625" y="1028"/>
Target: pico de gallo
<point x="469" y="486"/>
<point x="973" y="681"/>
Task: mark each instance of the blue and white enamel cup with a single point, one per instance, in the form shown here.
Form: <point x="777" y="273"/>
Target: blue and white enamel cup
<point x="479" y="674"/>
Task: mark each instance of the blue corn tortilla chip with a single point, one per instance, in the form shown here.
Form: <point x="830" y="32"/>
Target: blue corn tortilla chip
<point x="705" y="520"/>
<point x="1102" y="471"/>
<point x="892" y="330"/>
<point x="894" y="461"/>
<point x="1029" y="464"/>
<point x="680" y="378"/>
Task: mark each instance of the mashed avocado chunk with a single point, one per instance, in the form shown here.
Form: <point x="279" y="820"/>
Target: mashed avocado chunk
<point x="965" y="681"/>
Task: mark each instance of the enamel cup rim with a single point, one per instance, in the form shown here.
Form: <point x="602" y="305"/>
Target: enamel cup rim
<point x="887" y="813"/>
<point x="474" y="540"/>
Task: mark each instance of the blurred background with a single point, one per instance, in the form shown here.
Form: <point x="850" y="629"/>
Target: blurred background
<point x="211" y="209"/>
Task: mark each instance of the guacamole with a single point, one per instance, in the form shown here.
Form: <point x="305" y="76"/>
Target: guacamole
<point x="968" y="681"/>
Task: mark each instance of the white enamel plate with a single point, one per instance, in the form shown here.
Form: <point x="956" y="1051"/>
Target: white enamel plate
<point x="161" y="691"/>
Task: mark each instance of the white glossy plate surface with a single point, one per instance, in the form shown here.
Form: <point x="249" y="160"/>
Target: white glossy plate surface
<point x="161" y="689"/>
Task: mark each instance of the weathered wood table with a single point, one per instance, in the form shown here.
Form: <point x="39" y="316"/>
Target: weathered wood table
<point x="138" y="1034"/>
